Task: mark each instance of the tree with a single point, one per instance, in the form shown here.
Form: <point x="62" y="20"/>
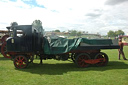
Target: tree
<point x="116" y="33"/>
<point x="119" y="32"/>
<point x="111" y="33"/>
<point x="57" y="30"/>
<point x="79" y="34"/>
<point x="73" y="33"/>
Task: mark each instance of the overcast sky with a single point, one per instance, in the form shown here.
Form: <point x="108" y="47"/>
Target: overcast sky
<point x="82" y="15"/>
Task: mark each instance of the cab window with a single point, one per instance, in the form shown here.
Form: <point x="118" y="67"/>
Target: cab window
<point x="20" y="33"/>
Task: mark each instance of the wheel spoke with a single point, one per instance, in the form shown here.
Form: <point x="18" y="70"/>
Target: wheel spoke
<point x="20" y="58"/>
<point x="17" y="60"/>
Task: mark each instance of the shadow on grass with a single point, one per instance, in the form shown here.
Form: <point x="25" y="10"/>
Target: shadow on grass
<point x="3" y="58"/>
<point x="60" y="69"/>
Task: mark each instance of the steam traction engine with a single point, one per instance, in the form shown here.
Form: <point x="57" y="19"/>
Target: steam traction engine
<point x="4" y="35"/>
<point x="31" y="41"/>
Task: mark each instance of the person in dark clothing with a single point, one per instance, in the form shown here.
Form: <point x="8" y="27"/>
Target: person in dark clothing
<point x="121" y="49"/>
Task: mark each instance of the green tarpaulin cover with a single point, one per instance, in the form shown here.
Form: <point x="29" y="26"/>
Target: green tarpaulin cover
<point x="63" y="45"/>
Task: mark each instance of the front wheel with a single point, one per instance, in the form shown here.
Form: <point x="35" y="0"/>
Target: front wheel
<point x="20" y="62"/>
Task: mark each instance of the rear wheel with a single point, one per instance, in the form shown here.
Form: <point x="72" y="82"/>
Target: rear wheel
<point x="3" y="51"/>
<point x="103" y="59"/>
<point x="20" y="62"/>
<point x="80" y="60"/>
<point x="3" y="47"/>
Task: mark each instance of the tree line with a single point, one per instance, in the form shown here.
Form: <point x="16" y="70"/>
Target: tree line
<point x="72" y="32"/>
<point x="115" y="33"/>
<point x="111" y="33"/>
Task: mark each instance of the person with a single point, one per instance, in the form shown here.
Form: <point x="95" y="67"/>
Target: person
<point x="121" y="49"/>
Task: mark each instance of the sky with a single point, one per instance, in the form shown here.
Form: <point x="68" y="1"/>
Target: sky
<point x="92" y="16"/>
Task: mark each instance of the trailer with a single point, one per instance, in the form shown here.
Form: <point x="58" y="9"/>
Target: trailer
<point x="83" y="52"/>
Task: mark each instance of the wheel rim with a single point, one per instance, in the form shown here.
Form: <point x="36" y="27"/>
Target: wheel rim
<point x="81" y="60"/>
<point x="20" y="62"/>
<point x="4" y="38"/>
<point x="104" y="59"/>
<point x="3" y="51"/>
<point x="3" y="47"/>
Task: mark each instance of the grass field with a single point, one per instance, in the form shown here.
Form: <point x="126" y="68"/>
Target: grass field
<point x="54" y="72"/>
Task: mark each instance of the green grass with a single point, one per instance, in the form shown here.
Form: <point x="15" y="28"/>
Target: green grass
<point x="54" y="72"/>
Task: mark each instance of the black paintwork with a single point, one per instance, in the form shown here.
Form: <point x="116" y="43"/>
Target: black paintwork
<point x="30" y="41"/>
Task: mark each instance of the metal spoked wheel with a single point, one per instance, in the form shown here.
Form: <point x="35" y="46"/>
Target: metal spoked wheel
<point x="103" y="59"/>
<point x="20" y="62"/>
<point x="3" y="51"/>
<point x="3" y="47"/>
<point x="80" y="60"/>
